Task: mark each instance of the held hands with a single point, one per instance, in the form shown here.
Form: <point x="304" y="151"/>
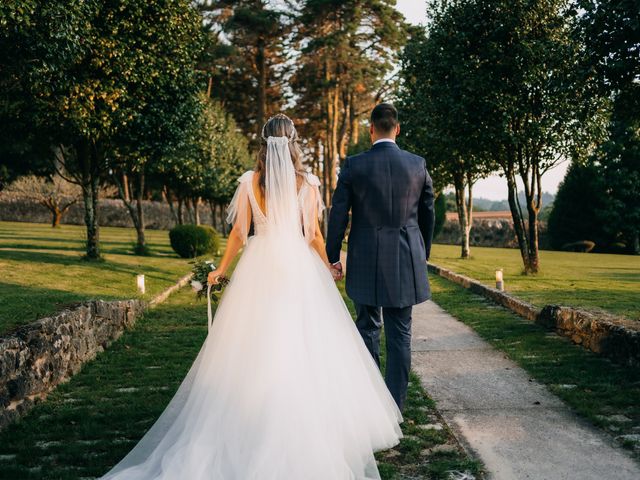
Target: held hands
<point x="336" y="271"/>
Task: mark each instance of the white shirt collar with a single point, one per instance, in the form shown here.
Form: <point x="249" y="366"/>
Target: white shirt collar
<point x="384" y="140"/>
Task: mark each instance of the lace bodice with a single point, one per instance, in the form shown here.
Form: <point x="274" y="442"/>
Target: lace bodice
<point x="310" y="206"/>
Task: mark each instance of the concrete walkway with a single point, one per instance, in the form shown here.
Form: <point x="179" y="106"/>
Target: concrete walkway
<point x="516" y="426"/>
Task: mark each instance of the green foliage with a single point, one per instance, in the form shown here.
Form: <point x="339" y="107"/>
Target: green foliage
<point x="190" y="241"/>
<point x="437" y="86"/>
<point x="440" y="206"/>
<point x="574" y="219"/>
<point x="611" y="36"/>
<point x="210" y="162"/>
<point x="97" y="80"/>
<point x="507" y="87"/>
<point x="246" y="57"/>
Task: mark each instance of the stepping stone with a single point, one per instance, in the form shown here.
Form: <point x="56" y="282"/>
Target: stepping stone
<point x="7" y="458"/>
<point x="392" y="454"/>
<point x="431" y="426"/>
<point x="127" y="389"/>
<point x="633" y="437"/>
<point x="445" y="447"/>
<point x="614" y="418"/>
<point x="87" y="442"/>
<point x="52" y="443"/>
<point x="456" y="475"/>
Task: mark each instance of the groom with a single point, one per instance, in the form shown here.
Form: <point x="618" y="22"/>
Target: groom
<point x="390" y="195"/>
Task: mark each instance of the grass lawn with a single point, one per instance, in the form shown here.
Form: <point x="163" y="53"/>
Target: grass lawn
<point x="587" y="280"/>
<point x="89" y="423"/>
<point x="605" y="393"/>
<point x="41" y="268"/>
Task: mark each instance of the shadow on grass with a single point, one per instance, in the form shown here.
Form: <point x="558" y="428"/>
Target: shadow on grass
<point x="21" y="304"/>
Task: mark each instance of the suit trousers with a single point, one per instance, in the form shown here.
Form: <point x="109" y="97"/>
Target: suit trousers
<point x="397" y="329"/>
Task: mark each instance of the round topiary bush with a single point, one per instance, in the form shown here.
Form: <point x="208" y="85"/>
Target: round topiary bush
<point x="190" y="241"/>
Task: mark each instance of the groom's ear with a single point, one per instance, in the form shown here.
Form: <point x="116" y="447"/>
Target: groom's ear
<point x="397" y="129"/>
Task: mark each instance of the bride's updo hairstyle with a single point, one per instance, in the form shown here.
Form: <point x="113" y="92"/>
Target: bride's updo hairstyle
<point x="279" y="126"/>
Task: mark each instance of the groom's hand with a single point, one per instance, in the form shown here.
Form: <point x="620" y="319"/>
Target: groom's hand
<point x="336" y="271"/>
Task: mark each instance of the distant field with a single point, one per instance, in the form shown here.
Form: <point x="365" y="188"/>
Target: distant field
<point x="588" y="280"/>
<point x="41" y="268"/>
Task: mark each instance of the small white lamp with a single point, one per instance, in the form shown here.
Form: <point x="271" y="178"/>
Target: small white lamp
<point x="499" y="280"/>
<point x="140" y="283"/>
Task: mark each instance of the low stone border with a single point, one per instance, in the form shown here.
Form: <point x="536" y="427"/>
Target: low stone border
<point x="38" y="356"/>
<point x="600" y="332"/>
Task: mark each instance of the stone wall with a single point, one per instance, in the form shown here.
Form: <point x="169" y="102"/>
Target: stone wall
<point x="488" y="232"/>
<point x="111" y="213"/>
<point x="615" y="337"/>
<point x="600" y="332"/>
<point x="36" y="357"/>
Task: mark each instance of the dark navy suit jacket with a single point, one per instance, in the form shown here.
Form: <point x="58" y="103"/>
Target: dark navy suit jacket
<point x="390" y="195"/>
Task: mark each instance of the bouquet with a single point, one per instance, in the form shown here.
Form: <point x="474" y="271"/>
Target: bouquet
<point x="201" y="270"/>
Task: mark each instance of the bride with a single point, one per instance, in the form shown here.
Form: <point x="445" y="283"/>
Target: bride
<point x="283" y="387"/>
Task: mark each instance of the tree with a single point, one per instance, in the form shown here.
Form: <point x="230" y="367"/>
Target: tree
<point x="208" y="163"/>
<point x="611" y="34"/>
<point x="346" y="51"/>
<point x="246" y="60"/>
<point x="573" y="219"/>
<point x="55" y="193"/>
<point x="436" y="81"/>
<point x="164" y="99"/>
<point x="530" y="107"/>
<point x="81" y="66"/>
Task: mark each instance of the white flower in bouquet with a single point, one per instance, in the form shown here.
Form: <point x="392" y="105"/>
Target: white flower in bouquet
<point x="196" y="286"/>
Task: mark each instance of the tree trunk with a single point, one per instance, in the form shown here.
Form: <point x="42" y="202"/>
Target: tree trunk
<point x="166" y="193"/>
<point x="180" y="211"/>
<point x="125" y="184"/>
<point x="196" y="210"/>
<point x="261" y="64"/>
<point x="214" y="218"/>
<point x="135" y="212"/>
<point x="90" y="183"/>
<point x="56" y="216"/>
<point x="516" y="215"/>
<point x="463" y="214"/>
<point x="142" y="244"/>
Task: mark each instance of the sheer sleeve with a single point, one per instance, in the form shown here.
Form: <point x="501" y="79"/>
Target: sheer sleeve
<point x="312" y="206"/>
<point x="239" y="210"/>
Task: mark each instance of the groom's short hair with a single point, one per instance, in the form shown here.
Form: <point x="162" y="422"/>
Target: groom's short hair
<point x="384" y="117"/>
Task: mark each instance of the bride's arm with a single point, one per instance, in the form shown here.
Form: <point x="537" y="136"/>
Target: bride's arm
<point x="318" y="244"/>
<point x="234" y="243"/>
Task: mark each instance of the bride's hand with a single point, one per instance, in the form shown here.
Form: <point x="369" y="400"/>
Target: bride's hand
<point x="214" y="276"/>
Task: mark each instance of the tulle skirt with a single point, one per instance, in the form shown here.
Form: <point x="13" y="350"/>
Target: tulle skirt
<point x="282" y="388"/>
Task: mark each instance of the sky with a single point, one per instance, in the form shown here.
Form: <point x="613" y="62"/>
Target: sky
<point x="493" y="187"/>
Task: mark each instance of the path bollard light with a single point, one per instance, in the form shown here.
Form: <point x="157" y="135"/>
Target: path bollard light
<point x="499" y="281"/>
<point x="140" y="283"/>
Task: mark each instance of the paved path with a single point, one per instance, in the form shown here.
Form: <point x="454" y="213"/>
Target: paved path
<point x="492" y="406"/>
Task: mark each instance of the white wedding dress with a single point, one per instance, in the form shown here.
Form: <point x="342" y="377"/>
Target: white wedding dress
<point x="283" y="387"/>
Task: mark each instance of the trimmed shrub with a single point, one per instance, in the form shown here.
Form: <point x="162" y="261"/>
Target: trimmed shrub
<point x="190" y="241"/>
<point x="440" y="207"/>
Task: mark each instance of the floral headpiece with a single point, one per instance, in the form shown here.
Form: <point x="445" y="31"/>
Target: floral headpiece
<point x="292" y="135"/>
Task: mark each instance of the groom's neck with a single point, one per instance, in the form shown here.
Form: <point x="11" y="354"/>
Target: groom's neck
<point x="376" y="136"/>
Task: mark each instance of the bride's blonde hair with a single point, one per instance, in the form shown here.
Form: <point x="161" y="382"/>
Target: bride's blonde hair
<point x="279" y="126"/>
